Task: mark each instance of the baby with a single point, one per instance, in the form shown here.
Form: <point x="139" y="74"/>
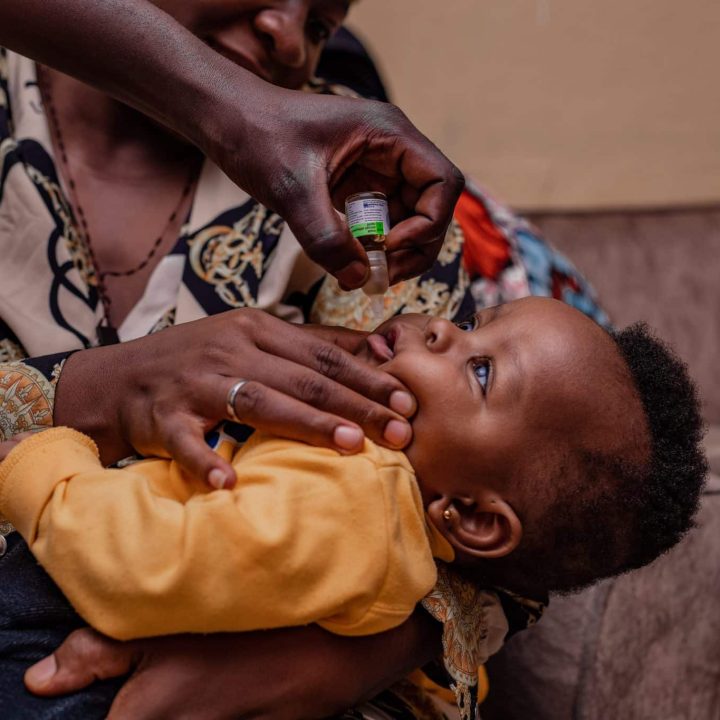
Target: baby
<point x="546" y="454"/>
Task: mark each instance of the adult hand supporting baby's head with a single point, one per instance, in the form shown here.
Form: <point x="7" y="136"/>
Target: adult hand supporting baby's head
<point x="160" y="394"/>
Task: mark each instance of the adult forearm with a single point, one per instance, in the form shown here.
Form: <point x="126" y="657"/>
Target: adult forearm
<point x="133" y="51"/>
<point x="387" y="658"/>
<point x="314" y="673"/>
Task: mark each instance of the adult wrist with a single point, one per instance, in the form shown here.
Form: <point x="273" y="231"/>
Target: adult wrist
<point x="224" y="115"/>
<point x="87" y="397"/>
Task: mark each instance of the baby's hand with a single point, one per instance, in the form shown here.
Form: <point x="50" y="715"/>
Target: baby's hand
<point x="8" y="445"/>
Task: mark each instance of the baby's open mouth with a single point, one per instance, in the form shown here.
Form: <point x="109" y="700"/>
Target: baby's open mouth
<point x="381" y="347"/>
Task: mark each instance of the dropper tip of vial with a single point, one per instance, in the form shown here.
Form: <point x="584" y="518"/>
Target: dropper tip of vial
<point x="377" y="307"/>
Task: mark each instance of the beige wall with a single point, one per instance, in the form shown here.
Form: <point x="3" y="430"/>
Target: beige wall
<point x="561" y="103"/>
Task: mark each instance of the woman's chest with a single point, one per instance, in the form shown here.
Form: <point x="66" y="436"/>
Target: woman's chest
<point x="128" y="226"/>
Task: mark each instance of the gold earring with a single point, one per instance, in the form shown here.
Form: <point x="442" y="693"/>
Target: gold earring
<point x="448" y="514"/>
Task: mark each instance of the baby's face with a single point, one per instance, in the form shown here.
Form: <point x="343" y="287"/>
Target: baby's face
<point x="501" y="391"/>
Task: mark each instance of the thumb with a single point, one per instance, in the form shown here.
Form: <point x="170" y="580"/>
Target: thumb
<point x="324" y="235"/>
<point x="84" y="656"/>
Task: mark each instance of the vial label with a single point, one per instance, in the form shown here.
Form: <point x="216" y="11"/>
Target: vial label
<point x="368" y="216"/>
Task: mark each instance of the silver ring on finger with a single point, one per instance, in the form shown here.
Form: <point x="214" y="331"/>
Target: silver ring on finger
<point x="230" y="400"/>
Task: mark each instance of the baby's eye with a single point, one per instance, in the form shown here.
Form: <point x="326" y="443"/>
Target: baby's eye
<point x="468" y="324"/>
<point x="482" y="373"/>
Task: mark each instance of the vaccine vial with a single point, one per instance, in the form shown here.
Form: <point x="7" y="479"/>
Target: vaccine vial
<point x="369" y="221"/>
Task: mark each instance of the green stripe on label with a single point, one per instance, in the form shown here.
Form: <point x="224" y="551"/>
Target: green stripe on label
<point x="367" y="228"/>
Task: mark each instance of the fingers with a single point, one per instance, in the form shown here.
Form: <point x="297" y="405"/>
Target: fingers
<point x="324" y="235"/>
<point x="297" y="415"/>
<point x="437" y="198"/>
<point x="409" y="262"/>
<point x="422" y="234"/>
<point x="272" y="411"/>
<point x="342" y="370"/>
<point x="185" y="441"/>
<point x="422" y="202"/>
<point x="328" y="378"/>
<point x="363" y="395"/>
<point x="303" y="386"/>
<point x="438" y="181"/>
<point x="84" y="656"/>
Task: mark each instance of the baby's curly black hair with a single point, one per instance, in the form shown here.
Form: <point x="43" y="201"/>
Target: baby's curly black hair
<point x="625" y="515"/>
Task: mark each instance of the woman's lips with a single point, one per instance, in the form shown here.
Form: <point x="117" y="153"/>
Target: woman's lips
<point x="380" y="347"/>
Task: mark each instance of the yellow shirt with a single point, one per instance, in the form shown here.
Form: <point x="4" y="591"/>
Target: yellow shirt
<point x="306" y="536"/>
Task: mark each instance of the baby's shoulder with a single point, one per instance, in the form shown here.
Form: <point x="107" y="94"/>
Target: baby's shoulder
<point x="266" y="445"/>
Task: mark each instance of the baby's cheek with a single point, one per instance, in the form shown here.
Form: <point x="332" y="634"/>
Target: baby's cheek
<point x="434" y="440"/>
<point x="428" y="377"/>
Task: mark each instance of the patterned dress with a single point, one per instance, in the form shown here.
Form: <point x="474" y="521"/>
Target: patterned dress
<point x="232" y="252"/>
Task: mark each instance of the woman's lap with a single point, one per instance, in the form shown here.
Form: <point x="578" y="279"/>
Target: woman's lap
<point x="34" y="619"/>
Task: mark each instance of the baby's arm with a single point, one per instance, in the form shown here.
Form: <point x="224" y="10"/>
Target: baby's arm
<point x="148" y="551"/>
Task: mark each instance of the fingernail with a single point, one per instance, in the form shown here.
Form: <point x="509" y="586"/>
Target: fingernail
<point x="397" y="433"/>
<point x="217" y="478"/>
<point x="42" y="672"/>
<point x="353" y="275"/>
<point x="402" y="402"/>
<point x="348" y="438"/>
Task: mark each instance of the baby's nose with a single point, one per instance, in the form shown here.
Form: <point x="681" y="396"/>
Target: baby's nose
<point x="439" y="334"/>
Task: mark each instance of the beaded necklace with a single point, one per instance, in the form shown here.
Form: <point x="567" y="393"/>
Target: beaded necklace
<point x="106" y="332"/>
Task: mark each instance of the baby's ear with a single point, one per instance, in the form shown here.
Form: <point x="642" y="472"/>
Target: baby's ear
<point x="483" y="527"/>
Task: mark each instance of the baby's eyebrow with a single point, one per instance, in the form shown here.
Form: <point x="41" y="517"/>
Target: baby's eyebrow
<point x="515" y="384"/>
<point x="490" y="314"/>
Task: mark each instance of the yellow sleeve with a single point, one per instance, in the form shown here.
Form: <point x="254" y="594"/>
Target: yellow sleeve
<point x="410" y="571"/>
<point x="306" y="536"/>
